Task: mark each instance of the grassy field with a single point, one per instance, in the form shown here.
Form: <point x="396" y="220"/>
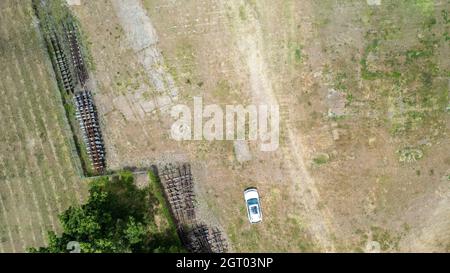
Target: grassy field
<point x="378" y="172"/>
<point x="378" y="168"/>
<point x="38" y="177"/>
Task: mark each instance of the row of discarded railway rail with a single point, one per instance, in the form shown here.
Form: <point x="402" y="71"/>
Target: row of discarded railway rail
<point x="72" y="73"/>
<point x="198" y="237"/>
<point x="90" y="128"/>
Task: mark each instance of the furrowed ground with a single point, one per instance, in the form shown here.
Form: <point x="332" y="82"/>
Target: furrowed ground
<point x="38" y="177"/>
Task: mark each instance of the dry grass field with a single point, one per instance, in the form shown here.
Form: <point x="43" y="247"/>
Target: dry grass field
<point x="363" y="91"/>
<point x="38" y="177"/>
<point x="137" y="134"/>
<point x="359" y="89"/>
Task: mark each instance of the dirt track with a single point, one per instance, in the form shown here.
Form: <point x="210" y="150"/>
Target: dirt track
<point x="250" y="42"/>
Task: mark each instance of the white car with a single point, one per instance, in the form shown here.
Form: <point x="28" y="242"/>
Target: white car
<point x="253" y="205"/>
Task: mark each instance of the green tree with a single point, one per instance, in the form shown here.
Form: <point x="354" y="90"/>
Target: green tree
<point x="118" y="217"/>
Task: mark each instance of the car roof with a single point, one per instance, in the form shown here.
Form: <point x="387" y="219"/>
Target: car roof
<point x="249" y="194"/>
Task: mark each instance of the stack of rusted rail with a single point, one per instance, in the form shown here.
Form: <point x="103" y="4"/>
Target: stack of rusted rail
<point x="62" y="64"/>
<point x="217" y="241"/>
<point x="64" y="44"/>
<point x="76" y="53"/>
<point x="86" y="111"/>
<point x="179" y="188"/>
<point x="203" y="239"/>
<point x="196" y="239"/>
<point x="87" y="116"/>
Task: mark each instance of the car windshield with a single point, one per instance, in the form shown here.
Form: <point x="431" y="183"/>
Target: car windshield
<point x="253" y="201"/>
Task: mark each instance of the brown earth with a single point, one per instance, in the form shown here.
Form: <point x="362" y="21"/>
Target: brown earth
<point x="336" y="182"/>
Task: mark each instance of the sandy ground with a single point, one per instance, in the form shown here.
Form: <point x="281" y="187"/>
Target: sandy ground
<point x="250" y="41"/>
<point x="152" y="54"/>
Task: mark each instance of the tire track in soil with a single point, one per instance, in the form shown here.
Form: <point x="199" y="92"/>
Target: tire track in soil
<point x="29" y="154"/>
<point x="36" y="135"/>
<point x="13" y="125"/>
<point x="70" y="175"/>
<point x="48" y="154"/>
<point x="62" y="126"/>
<point x="5" y="217"/>
<point x="35" y="67"/>
<point x="27" y="67"/>
<point x="43" y="85"/>
<point x="43" y="63"/>
<point x="16" y="171"/>
<point x="16" y="174"/>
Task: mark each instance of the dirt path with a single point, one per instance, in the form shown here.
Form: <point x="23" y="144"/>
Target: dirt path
<point x="250" y="43"/>
<point x="143" y="39"/>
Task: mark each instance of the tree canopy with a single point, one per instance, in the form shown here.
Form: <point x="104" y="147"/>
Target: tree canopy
<point x="118" y="217"/>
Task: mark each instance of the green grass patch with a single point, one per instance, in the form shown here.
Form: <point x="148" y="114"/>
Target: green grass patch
<point x="386" y="239"/>
<point x="298" y="54"/>
<point x="242" y="13"/>
<point x="321" y="159"/>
